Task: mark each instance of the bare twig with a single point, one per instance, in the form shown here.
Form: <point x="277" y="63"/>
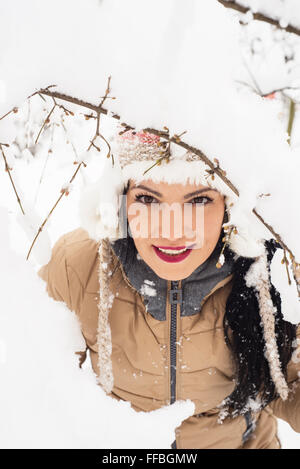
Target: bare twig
<point x="259" y="16"/>
<point x="66" y="111"/>
<point x="82" y="356"/>
<point x="92" y="142"/>
<point x="106" y="92"/>
<point x="46" y="121"/>
<point x="63" y="192"/>
<point x="291" y="119"/>
<point x="165" y="153"/>
<point x="15" y="109"/>
<point x="109" y="153"/>
<point x="157" y="163"/>
<point x="68" y="138"/>
<point x="45" y="165"/>
<point x="269" y="93"/>
<point x="37" y="92"/>
<point x="286" y="262"/>
<point x="276" y="235"/>
<point x="256" y="85"/>
<point x="89" y="116"/>
<point x="8" y="169"/>
<point x="71" y="99"/>
<point x="281" y="90"/>
<point x="42" y="97"/>
<point x="97" y="133"/>
<point x="126" y="128"/>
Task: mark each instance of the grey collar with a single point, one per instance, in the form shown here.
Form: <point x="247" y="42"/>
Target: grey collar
<point x="154" y="289"/>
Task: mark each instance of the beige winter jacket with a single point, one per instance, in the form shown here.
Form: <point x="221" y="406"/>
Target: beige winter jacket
<point x="141" y="351"/>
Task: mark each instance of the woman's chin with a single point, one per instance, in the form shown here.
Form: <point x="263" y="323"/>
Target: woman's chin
<point x="172" y="267"/>
<point x="171" y="271"/>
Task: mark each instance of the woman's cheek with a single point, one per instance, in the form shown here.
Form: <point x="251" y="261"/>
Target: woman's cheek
<point x="213" y="224"/>
<point x="138" y="220"/>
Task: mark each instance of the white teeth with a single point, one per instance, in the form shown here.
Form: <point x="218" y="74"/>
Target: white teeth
<point x="173" y="252"/>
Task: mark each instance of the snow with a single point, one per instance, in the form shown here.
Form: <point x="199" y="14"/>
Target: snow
<point x="288" y="292"/>
<point x="286" y="11"/>
<point x="288" y="438"/>
<point x="148" y="288"/>
<point x="42" y="384"/>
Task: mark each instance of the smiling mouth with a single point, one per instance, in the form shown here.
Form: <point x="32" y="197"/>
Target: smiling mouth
<point x="172" y="251"/>
<point x="172" y="254"/>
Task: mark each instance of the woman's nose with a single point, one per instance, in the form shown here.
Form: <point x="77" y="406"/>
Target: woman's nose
<point x="166" y="221"/>
<point x="177" y="222"/>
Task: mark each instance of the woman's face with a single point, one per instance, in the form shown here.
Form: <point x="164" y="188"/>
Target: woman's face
<point x="175" y="227"/>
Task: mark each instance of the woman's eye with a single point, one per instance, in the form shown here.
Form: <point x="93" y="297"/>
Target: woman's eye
<point x="145" y="199"/>
<point x="149" y="199"/>
<point x="201" y="200"/>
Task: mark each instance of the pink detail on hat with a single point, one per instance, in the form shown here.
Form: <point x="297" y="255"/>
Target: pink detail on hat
<point x="141" y="136"/>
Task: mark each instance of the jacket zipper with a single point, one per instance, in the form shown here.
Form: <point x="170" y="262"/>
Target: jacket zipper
<point x="175" y="298"/>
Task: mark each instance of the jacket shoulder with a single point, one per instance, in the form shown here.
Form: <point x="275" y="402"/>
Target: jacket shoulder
<point x="72" y="267"/>
<point x="81" y="254"/>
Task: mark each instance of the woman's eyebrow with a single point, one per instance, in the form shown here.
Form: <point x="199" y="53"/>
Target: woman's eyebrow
<point x="186" y="196"/>
<point x="147" y="189"/>
<point x="205" y="189"/>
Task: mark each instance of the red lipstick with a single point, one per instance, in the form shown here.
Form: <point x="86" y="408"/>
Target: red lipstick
<point x="172" y="257"/>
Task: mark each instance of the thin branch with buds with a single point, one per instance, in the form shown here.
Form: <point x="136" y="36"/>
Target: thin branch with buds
<point x="286" y="262"/>
<point x="292" y="112"/>
<point x="49" y="152"/>
<point x="269" y="93"/>
<point x="46" y="121"/>
<point x="259" y="16"/>
<point x="63" y="192"/>
<point x="97" y="133"/>
<point x="15" y="109"/>
<point x="8" y="169"/>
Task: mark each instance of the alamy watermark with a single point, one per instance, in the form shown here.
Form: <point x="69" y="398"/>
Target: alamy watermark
<point x="158" y="220"/>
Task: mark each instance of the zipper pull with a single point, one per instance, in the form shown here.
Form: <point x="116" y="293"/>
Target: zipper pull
<point x="175" y="294"/>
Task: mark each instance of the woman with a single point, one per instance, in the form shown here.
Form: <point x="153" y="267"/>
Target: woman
<point x="174" y="310"/>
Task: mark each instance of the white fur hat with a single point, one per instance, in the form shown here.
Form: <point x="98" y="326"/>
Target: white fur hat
<point x="137" y="156"/>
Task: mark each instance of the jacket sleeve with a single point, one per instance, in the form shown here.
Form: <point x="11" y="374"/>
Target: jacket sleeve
<point x="59" y="276"/>
<point x="289" y="410"/>
<point x="63" y="284"/>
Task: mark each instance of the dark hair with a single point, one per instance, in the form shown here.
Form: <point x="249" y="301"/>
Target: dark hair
<point x="243" y="330"/>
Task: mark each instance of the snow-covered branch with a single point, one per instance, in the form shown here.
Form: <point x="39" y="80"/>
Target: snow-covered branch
<point x="259" y="16"/>
<point x="176" y="139"/>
